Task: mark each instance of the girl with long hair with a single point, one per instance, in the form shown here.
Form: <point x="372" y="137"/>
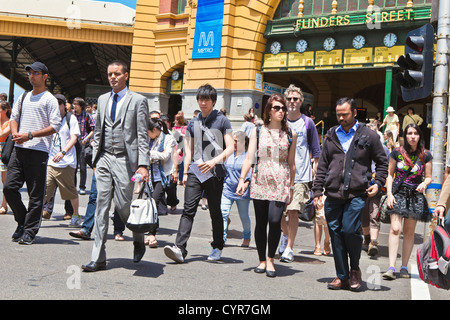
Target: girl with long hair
<point x="272" y="179"/>
<point x="409" y="204"/>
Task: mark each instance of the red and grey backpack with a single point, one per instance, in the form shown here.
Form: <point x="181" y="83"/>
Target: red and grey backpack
<point x="433" y="259"/>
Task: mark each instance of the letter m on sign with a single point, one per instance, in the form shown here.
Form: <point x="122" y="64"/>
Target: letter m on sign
<point x="206" y="41"/>
<point x="208" y="29"/>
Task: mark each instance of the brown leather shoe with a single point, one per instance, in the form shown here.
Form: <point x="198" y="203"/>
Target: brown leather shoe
<point x="338" y="284"/>
<point x="355" y="279"/>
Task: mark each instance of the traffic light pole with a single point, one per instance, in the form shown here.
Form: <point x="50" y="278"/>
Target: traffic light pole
<point x="440" y="104"/>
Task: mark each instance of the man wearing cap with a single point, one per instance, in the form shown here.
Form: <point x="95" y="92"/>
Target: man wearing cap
<point x="34" y="118"/>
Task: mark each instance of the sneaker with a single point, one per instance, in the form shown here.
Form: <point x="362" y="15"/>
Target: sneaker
<point x="390" y="274"/>
<point x="283" y="244"/>
<point x="174" y="253"/>
<point x="287" y="256"/>
<point x="373" y="248"/>
<point x="26" y="239"/>
<point x="404" y="273"/>
<point x="82" y="192"/>
<point x="75" y="222"/>
<point x="215" y="255"/>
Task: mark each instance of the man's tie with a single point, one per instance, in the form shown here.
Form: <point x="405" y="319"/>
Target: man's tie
<point x="113" y="108"/>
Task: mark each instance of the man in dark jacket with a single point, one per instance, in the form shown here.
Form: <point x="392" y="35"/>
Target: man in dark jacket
<point x="343" y="174"/>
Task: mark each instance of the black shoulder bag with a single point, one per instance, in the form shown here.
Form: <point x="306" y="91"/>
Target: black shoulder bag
<point x="9" y="143"/>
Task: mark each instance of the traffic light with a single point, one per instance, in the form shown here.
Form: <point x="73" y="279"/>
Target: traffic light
<point x="416" y="80"/>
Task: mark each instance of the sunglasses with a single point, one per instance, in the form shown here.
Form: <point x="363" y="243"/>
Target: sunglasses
<point x="277" y="108"/>
<point x="293" y="98"/>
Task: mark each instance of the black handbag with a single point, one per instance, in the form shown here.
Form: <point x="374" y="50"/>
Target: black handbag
<point x="309" y="212"/>
<point x="9" y="143"/>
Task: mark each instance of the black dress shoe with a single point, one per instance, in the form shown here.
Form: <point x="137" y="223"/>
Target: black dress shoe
<point x="17" y="234"/>
<point x="139" y="250"/>
<point x="93" y="266"/>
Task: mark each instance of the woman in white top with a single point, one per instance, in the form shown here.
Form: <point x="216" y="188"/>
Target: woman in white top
<point x="391" y="122"/>
<point x="162" y="147"/>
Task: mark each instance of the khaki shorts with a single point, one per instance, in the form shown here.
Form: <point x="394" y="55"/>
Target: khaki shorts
<point x="300" y="197"/>
<point x="63" y="178"/>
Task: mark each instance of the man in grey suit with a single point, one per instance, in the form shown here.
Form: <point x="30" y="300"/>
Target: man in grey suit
<point x="120" y="150"/>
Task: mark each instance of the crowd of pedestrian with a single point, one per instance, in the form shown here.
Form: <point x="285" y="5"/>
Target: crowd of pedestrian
<point x="277" y="163"/>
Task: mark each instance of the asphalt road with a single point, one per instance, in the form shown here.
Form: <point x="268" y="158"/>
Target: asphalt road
<point x="50" y="268"/>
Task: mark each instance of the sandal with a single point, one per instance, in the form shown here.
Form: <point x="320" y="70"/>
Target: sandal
<point x="317" y="251"/>
<point x="3" y="210"/>
<point x="119" y="237"/>
<point x="326" y="249"/>
<point x="151" y="241"/>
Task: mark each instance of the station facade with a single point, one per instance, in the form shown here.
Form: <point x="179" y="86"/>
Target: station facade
<point x="329" y="48"/>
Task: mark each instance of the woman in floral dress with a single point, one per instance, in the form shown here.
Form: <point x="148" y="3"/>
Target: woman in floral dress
<point x="272" y="178"/>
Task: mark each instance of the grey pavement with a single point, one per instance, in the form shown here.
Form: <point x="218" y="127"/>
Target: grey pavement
<point x="50" y="268"/>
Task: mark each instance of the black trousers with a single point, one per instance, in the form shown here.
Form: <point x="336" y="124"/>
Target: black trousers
<point x="267" y="212"/>
<point x="192" y="195"/>
<point x="30" y="167"/>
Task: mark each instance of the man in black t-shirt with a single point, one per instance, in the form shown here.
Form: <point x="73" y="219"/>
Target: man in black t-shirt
<point x="205" y="137"/>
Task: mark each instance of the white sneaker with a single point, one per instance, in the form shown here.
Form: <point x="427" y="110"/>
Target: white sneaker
<point x="75" y="222"/>
<point x="288" y="255"/>
<point x="174" y="253"/>
<point x="215" y="255"/>
<point x="283" y="244"/>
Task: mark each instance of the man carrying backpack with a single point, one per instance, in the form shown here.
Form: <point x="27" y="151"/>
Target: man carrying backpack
<point x="307" y="146"/>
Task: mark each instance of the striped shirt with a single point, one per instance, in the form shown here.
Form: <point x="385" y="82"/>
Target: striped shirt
<point x="38" y="112"/>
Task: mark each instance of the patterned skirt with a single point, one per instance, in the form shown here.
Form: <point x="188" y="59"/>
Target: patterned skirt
<point x="411" y="204"/>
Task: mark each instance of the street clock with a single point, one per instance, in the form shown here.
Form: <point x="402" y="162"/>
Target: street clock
<point x="329" y="44"/>
<point x="301" y="46"/>
<point x="275" y="47"/>
<point x="390" y="40"/>
<point x="358" y="42"/>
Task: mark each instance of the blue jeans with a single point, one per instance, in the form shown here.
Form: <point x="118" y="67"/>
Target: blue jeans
<point x="88" y="223"/>
<point x="344" y="222"/>
<point x="242" y="205"/>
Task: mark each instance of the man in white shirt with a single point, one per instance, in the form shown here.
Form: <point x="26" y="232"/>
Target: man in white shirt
<point x="34" y="118"/>
<point x="62" y="161"/>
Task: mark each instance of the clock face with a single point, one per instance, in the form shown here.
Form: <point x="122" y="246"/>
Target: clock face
<point x="390" y="40"/>
<point x="358" y="42"/>
<point x="329" y="44"/>
<point x="175" y="75"/>
<point x="275" y="47"/>
<point x="301" y="46"/>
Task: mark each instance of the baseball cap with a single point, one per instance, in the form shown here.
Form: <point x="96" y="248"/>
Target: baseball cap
<point x="60" y="97"/>
<point x="37" y="66"/>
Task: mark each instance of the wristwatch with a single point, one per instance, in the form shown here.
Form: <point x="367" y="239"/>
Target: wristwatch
<point x="63" y="152"/>
<point x="30" y="136"/>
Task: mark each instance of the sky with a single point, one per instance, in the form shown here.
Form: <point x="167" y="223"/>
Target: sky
<point x="4" y="82"/>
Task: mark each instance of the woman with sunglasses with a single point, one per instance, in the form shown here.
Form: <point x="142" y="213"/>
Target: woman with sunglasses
<point x="272" y="179"/>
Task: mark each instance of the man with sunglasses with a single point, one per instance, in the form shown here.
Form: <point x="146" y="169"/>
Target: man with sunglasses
<point x="307" y="147"/>
<point x="34" y="118"/>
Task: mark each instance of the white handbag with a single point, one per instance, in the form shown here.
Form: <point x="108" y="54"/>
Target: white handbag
<point x="143" y="212"/>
